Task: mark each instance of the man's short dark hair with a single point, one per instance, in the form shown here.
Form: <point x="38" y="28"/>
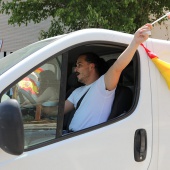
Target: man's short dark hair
<point x="100" y="64"/>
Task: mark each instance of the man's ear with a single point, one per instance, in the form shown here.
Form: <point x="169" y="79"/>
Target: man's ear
<point x="92" y="65"/>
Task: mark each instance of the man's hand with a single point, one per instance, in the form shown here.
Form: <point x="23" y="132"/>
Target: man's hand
<point x="141" y="34"/>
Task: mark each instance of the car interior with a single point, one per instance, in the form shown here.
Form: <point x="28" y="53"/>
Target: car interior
<point x="127" y="86"/>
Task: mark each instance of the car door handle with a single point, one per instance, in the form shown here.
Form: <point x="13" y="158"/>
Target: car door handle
<point x="140" y="145"/>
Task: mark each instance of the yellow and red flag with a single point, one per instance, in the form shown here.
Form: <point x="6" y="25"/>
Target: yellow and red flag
<point x="162" y="66"/>
<point x="39" y="70"/>
<point x="28" y="85"/>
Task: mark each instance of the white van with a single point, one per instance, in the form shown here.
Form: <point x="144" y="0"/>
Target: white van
<point x="136" y="135"/>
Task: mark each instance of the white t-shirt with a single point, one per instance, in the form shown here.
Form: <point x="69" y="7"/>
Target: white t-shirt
<point x="95" y="106"/>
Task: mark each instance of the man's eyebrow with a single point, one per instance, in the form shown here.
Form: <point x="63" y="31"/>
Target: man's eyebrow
<point x="78" y="62"/>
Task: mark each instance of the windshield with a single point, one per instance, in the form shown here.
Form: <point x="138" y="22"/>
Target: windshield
<point x="14" y="58"/>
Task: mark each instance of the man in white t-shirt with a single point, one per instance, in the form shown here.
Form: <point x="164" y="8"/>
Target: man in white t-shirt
<point x="96" y="105"/>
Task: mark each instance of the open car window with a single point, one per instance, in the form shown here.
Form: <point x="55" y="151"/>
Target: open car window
<point x="126" y="90"/>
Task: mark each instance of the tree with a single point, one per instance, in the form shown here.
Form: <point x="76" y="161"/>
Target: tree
<point x="71" y="15"/>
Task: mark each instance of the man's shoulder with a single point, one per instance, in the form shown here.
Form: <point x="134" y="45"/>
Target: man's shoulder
<point x="100" y="80"/>
<point x="78" y="89"/>
<point x="86" y="87"/>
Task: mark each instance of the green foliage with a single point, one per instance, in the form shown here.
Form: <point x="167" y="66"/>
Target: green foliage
<point x="70" y="15"/>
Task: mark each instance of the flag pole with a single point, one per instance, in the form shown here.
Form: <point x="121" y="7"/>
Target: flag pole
<point x="166" y="15"/>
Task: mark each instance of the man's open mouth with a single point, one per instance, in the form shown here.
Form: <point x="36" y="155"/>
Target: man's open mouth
<point x="77" y="73"/>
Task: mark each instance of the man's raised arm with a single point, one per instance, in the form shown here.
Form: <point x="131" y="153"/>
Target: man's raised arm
<point x="113" y="74"/>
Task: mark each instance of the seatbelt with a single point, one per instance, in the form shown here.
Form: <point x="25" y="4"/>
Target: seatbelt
<point x="78" y="104"/>
<point x="80" y="100"/>
<point x="69" y="116"/>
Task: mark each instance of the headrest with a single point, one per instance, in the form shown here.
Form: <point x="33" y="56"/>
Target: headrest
<point x="110" y="62"/>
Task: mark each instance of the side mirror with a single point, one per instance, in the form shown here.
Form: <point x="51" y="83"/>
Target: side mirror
<point x="11" y="127"/>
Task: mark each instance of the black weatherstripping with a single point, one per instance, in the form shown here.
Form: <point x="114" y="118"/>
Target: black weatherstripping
<point x="60" y="116"/>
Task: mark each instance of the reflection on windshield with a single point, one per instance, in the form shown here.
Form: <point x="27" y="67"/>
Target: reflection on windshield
<point x="12" y="59"/>
<point x="38" y="97"/>
<point x="5" y="97"/>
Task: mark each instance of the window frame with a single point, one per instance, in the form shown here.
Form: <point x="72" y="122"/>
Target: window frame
<point x="64" y="68"/>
